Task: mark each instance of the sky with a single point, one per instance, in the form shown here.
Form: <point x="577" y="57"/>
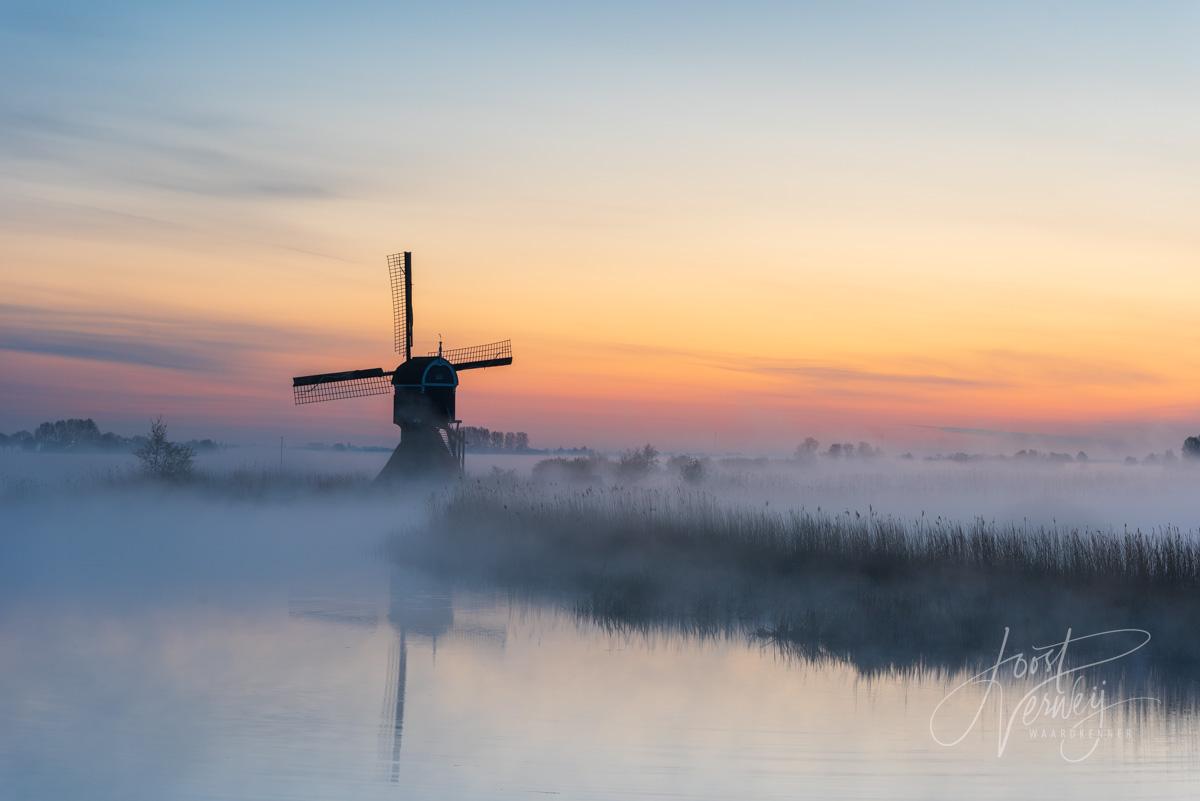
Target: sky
<point x="714" y="227"/>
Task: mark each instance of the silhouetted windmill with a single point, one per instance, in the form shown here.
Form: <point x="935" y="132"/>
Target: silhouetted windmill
<point x="424" y="387"/>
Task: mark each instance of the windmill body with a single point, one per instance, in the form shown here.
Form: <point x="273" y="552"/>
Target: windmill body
<point x="423" y="387"/>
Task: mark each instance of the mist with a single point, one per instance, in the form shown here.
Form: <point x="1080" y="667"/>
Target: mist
<point x="1085" y="495"/>
<point x="177" y="590"/>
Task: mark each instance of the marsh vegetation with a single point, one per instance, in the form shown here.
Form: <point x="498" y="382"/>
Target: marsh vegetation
<point x="877" y="591"/>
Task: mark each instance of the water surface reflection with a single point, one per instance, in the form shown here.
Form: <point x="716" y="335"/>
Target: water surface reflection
<point x="380" y="682"/>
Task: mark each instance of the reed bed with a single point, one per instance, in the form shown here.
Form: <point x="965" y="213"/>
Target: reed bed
<point x="698" y="527"/>
<point x="882" y="593"/>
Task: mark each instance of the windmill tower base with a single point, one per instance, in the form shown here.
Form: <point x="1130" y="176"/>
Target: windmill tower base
<point x="423" y="453"/>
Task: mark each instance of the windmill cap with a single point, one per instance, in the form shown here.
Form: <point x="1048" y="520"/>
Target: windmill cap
<point x="421" y="370"/>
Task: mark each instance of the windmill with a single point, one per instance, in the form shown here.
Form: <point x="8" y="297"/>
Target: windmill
<point x="423" y="388"/>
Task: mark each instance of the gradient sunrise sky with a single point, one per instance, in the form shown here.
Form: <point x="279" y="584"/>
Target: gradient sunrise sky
<point x="711" y="226"/>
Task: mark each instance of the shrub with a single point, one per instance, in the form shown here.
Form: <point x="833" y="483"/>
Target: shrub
<point x="584" y="469"/>
<point x="638" y="463"/>
<point x="689" y="468"/>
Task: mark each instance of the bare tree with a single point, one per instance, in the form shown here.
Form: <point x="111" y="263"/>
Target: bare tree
<point x="163" y="459"/>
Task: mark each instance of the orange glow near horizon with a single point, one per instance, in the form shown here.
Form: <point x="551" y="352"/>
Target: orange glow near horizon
<point x="711" y="255"/>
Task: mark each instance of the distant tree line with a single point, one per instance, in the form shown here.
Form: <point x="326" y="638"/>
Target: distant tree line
<point x="1190" y="452"/>
<point x="810" y="449"/>
<point x="346" y="446"/>
<point x="76" y="435"/>
<point x="639" y="463"/>
<point x="632" y="465"/>
<point x="479" y="438"/>
<point x="1023" y="455"/>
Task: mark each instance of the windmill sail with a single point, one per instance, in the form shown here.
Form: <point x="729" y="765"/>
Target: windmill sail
<point x="496" y="354"/>
<point x="334" y="386"/>
<point x="400" y="274"/>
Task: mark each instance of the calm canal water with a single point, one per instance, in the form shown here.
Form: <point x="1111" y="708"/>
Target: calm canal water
<point x="228" y="652"/>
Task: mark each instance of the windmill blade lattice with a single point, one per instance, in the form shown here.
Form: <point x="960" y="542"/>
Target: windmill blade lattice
<point x="400" y="274"/>
<point x="495" y="354"/>
<point x="334" y="386"/>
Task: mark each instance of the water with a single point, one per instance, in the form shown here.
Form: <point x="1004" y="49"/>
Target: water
<point x="181" y="648"/>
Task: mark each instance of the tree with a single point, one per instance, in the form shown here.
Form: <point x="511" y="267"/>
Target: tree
<point x="522" y="441"/>
<point x="807" y="450"/>
<point x="476" y="436"/>
<point x="1191" y="448"/>
<point x="64" y="435"/>
<point x="162" y="459"/>
<point x="497" y="440"/>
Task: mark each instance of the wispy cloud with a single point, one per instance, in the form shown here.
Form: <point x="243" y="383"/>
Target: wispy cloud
<point x="21" y="211"/>
<point x="155" y="153"/>
<point x="1075" y="371"/>
<point x="190" y="344"/>
<point x="832" y="374"/>
<point x="811" y="371"/>
<point x="984" y="369"/>
<point x="108" y="348"/>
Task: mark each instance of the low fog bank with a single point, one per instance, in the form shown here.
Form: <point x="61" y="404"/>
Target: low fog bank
<point x="236" y="532"/>
<point x="49" y="467"/>
<point x="1040" y="493"/>
<point x="1095" y="495"/>
<point x="151" y="546"/>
